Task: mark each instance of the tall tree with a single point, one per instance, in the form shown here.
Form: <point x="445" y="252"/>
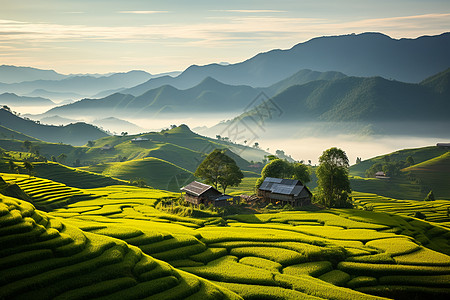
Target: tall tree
<point x="333" y="182"/>
<point x="218" y="169"/>
<point x="27" y="145"/>
<point x="280" y="168"/>
<point x="29" y="167"/>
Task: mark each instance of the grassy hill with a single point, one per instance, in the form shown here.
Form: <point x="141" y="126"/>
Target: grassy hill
<point x="431" y="172"/>
<point x="434" y="173"/>
<point x="75" y="134"/>
<point x="124" y="237"/>
<point x="155" y="172"/>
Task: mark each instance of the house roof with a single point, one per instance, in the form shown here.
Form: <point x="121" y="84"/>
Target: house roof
<point x="283" y="186"/>
<point x="197" y="188"/>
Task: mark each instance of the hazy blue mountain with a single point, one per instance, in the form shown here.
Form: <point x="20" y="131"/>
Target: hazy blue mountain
<point x="301" y="77"/>
<point x="12" y="99"/>
<point x="74" y="134"/>
<point x="363" y="55"/>
<point x="56" y="120"/>
<point x="208" y="96"/>
<point x="13" y="74"/>
<point x="55" y="96"/>
<point x="83" y="85"/>
<point x="384" y="106"/>
<point x="118" y="125"/>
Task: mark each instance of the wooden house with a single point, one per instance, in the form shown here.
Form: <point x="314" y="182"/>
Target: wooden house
<point x="200" y="193"/>
<point x="285" y="191"/>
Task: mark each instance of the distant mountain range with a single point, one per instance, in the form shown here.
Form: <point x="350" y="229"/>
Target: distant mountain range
<point x="387" y="106"/>
<point x="363" y="55"/>
<point x="209" y="95"/>
<point x="26" y="81"/>
<point x="14" y="100"/>
<point x="74" y="134"/>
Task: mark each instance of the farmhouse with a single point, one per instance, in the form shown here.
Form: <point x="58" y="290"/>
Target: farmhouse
<point x="139" y="139"/>
<point x="381" y="175"/>
<point x="200" y="193"/>
<point x="286" y="191"/>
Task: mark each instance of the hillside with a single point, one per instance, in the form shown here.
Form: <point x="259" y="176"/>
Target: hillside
<point x="75" y="134"/>
<point x="430" y="172"/>
<point x="365" y="55"/>
<point x="433" y="173"/>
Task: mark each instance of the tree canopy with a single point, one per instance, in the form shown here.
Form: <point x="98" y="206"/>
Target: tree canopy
<point x="218" y="169"/>
<point x="333" y="182"/>
<point x="280" y="168"/>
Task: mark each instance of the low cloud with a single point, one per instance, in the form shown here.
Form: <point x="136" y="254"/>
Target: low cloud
<point x="143" y="12"/>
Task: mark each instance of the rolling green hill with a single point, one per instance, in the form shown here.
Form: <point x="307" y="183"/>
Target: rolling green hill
<point x="75" y="134"/>
<point x="155" y="172"/>
<point x="435" y="174"/>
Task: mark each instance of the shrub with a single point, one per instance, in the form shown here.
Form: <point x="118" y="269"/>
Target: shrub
<point x="314" y="269"/>
<point x="336" y="277"/>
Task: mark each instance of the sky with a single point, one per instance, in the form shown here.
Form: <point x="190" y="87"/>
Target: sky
<point x="101" y="36"/>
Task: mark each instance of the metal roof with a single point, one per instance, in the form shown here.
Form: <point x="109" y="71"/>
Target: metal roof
<point x="197" y="188"/>
<point x="282" y="186"/>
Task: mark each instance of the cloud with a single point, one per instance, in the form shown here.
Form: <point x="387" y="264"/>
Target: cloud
<point x="223" y="32"/>
<point x="143" y="12"/>
<point x="251" y="11"/>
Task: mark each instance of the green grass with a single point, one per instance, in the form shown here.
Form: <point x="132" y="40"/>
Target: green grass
<point x="121" y="237"/>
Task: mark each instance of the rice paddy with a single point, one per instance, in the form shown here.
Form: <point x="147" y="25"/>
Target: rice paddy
<point x="114" y="242"/>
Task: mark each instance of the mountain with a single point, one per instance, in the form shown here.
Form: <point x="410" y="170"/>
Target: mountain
<point x="57" y="120"/>
<point x="117" y="125"/>
<point x="56" y="96"/>
<point x="301" y="77"/>
<point x="83" y="85"/>
<point x="12" y="99"/>
<point x="75" y="134"/>
<point x="387" y="106"/>
<point x="208" y="96"/>
<point x="363" y="55"/>
<point x="13" y="74"/>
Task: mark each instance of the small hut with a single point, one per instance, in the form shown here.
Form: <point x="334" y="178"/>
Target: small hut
<point x="200" y="193"/>
<point x="286" y="191"/>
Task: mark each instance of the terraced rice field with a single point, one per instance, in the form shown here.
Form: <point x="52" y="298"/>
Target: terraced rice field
<point x="435" y="211"/>
<point x="332" y="254"/>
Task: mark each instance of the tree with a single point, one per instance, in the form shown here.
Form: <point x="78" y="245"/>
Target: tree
<point x="300" y="172"/>
<point x="13" y="167"/>
<point x="280" y="168"/>
<point x="28" y="166"/>
<point x="410" y="161"/>
<point x="218" y="169"/>
<point x="124" y="133"/>
<point x="256" y="145"/>
<point x="333" y="182"/>
<point x="430" y="196"/>
<point x="358" y="160"/>
<point x="27" y="145"/>
<point x="90" y="144"/>
<point x="62" y="158"/>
